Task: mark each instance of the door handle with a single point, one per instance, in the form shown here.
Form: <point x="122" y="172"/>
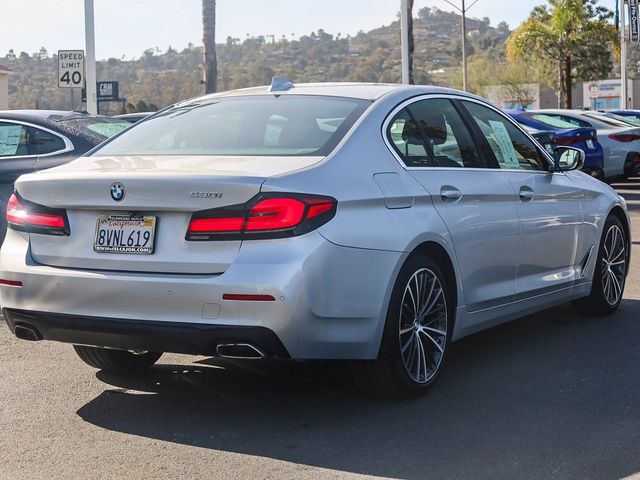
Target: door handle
<point x="450" y="194"/>
<point x="526" y="194"/>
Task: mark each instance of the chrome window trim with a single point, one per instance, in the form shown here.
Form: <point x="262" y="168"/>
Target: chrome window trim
<point x="391" y="115"/>
<point x="68" y="146"/>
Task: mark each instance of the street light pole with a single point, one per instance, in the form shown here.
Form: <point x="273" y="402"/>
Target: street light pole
<point x="463" y="11"/>
<point x="90" y="57"/>
<point x="464" y="48"/>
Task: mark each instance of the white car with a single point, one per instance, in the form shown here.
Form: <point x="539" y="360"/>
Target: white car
<point x="620" y="140"/>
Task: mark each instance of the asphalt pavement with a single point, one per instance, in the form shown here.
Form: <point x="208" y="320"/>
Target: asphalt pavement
<point x="553" y="395"/>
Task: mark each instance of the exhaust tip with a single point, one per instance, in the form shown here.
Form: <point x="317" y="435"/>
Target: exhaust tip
<point x="26" y="332"/>
<point x="239" y="350"/>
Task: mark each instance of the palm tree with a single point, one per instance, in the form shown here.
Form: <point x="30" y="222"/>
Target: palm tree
<point x="573" y="36"/>
<point x="209" y="60"/>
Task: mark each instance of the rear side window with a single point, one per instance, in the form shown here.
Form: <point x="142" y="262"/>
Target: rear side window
<point x="20" y="140"/>
<point x="431" y="133"/>
<point x="285" y="125"/>
<point x="511" y="147"/>
<point x="41" y="142"/>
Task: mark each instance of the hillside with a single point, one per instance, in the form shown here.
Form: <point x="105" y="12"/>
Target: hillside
<point x="161" y="78"/>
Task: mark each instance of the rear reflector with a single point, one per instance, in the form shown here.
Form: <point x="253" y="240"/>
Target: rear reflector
<point x="30" y="217"/>
<point x="10" y="283"/>
<point x="248" y="298"/>
<point x="624" y="137"/>
<point x="266" y="216"/>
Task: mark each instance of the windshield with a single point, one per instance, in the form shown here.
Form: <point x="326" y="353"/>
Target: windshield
<point x="285" y="125"/>
<point x="97" y="128"/>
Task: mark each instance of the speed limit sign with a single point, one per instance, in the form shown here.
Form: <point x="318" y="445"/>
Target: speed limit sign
<point x="70" y="68"/>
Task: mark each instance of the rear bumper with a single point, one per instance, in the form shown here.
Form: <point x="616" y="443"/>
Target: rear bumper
<point x="191" y="338"/>
<point x="329" y="301"/>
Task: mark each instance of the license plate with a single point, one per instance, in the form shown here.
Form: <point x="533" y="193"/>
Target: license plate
<point x="590" y="144"/>
<point x="124" y="234"/>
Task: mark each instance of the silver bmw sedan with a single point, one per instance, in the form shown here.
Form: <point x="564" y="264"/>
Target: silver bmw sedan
<point x="368" y="222"/>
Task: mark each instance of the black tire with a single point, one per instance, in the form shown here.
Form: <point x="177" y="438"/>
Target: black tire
<point x="389" y="375"/>
<point x="600" y="300"/>
<point x="116" y="360"/>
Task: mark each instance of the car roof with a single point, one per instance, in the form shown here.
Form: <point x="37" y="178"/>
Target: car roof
<point x="38" y="116"/>
<point x="363" y="91"/>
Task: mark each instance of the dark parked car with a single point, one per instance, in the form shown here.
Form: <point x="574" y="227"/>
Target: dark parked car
<point x="33" y="140"/>
<point x="584" y="138"/>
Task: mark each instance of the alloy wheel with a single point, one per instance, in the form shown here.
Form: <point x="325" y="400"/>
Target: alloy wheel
<point x="614" y="264"/>
<point x="423" y="325"/>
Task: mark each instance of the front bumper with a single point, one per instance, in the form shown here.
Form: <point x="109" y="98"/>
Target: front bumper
<point x="330" y="301"/>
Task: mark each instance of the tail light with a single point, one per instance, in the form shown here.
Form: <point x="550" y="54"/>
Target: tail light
<point x="572" y="139"/>
<point x="33" y="218"/>
<point x="624" y="137"/>
<point x="266" y="216"/>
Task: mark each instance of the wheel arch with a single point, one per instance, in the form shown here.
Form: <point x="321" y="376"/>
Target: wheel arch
<point x="445" y="260"/>
<point x="618" y="212"/>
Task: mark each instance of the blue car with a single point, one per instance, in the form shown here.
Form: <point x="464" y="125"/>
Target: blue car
<point x="567" y="134"/>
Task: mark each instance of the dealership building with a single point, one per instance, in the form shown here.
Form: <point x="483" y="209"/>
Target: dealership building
<point x="595" y="95"/>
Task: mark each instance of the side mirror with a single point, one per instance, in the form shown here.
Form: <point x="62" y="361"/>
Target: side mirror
<point x="568" y="158"/>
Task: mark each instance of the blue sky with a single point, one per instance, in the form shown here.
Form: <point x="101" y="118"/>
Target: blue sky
<point x="58" y="24"/>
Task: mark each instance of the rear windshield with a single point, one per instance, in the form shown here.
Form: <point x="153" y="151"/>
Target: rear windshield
<point x="608" y="120"/>
<point x="97" y="129"/>
<point x="286" y="125"/>
<point x="558" y="121"/>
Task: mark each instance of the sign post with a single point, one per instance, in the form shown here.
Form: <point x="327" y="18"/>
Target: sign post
<point x="70" y="68"/>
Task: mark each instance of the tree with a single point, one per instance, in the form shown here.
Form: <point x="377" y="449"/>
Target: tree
<point x="209" y="59"/>
<point x="411" y="41"/>
<point x="573" y="35"/>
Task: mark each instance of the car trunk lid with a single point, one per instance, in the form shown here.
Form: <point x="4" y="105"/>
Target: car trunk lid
<point x="167" y="188"/>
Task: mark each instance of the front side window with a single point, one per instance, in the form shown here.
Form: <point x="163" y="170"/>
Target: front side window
<point x="21" y="140"/>
<point x="13" y="140"/>
<point x="511" y="147"/>
<point x="284" y="125"/>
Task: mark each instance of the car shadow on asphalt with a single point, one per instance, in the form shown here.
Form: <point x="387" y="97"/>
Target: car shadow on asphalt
<point x="552" y="395"/>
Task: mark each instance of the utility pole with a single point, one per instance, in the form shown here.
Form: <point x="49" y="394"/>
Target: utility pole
<point x="90" y="57"/>
<point x="463" y="11"/>
<point x="404" y="30"/>
<point x="623" y="56"/>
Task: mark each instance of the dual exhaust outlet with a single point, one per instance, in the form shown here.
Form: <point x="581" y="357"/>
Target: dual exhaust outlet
<point x="223" y="350"/>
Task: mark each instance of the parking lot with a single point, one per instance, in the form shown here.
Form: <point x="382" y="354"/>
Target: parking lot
<point x="554" y="395"/>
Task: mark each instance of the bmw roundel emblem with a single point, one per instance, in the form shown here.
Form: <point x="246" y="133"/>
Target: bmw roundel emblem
<point x="117" y="192"/>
